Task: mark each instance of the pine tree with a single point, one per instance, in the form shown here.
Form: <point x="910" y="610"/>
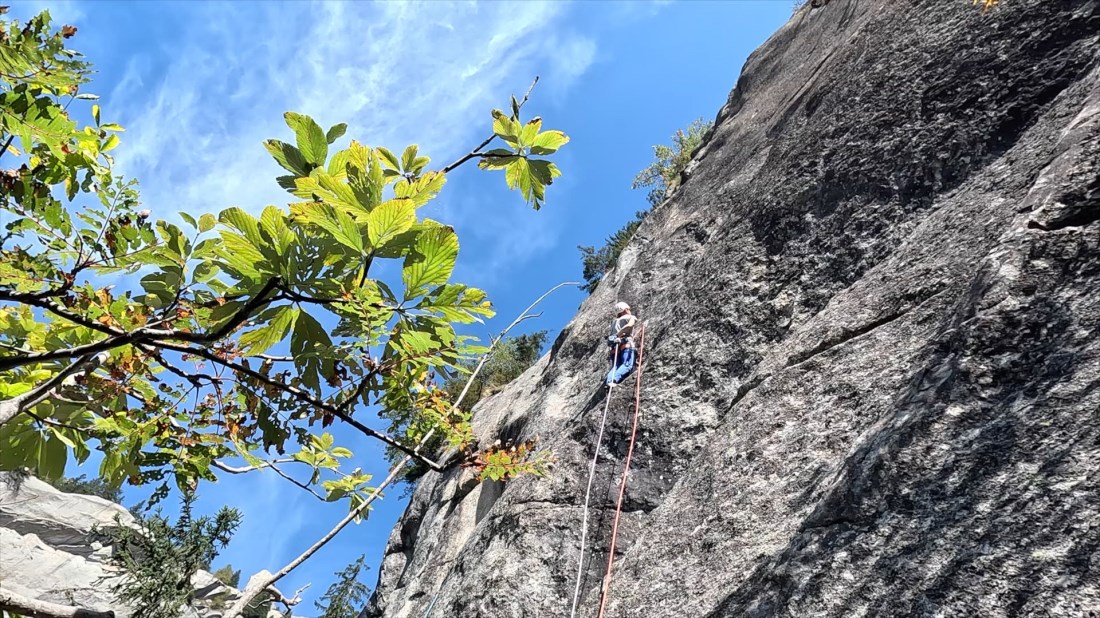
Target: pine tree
<point x="160" y="559"/>
<point x="346" y="597"/>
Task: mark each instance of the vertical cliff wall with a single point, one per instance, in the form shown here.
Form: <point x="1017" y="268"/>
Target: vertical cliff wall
<point x="872" y="357"/>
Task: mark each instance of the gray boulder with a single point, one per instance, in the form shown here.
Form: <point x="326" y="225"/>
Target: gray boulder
<point x="62" y="521"/>
<point x="49" y="550"/>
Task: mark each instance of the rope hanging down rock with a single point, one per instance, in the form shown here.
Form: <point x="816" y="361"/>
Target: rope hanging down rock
<point x="622" y="487"/>
<point x="626" y="472"/>
<point x="588" y="491"/>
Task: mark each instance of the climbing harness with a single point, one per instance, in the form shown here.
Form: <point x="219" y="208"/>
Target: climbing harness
<point x="622" y="487"/>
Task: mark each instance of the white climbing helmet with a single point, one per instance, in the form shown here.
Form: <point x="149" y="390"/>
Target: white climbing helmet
<point x="621" y="307"/>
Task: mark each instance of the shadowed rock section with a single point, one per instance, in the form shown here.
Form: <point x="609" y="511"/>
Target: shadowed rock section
<point x="873" y="350"/>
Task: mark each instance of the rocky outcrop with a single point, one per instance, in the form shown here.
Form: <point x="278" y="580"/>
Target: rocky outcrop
<point x="872" y="374"/>
<point x="52" y="549"/>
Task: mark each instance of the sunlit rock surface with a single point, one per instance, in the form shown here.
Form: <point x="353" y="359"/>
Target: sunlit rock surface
<point x="872" y="351"/>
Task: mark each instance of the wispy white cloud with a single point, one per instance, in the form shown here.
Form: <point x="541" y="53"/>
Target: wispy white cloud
<point x="396" y="72"/>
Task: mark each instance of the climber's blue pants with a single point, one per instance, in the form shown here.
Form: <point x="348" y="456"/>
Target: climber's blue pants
<point x="623" y="367"/>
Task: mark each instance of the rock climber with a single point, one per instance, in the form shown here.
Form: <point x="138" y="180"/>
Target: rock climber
<point x="621" y="344"/>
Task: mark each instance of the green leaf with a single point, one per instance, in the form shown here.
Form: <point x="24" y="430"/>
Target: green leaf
<point x="307" y="344"/>
<point x="543" y="171"/>
<point x="408" y="157"/>
<point x="207" y="222"/>
<point x="310" y="137"/>
<point x="243" y="222"/>
<point x="388" y="220"/>
<point x="338" y="164"/>
<point x="365" y="176"/>
<point x="423" y="189"/>
<point x="261" y="339"/>
<point x="388" y="158"/>
<point x="496" y="159"/>
<point x="548" y="142"/>
<point x="273" y="222"/>
<point x="288" y="157"/>
<point x="240" y="255"/>
<point x="505" y="128"/>
<point x="431" y="260"/>
<point x="457" y="303"/>
<point x="338" y="193"/>
<point x="529" y="131"/>
<point x="338" y="224"/>
<point x="336" y="132"/>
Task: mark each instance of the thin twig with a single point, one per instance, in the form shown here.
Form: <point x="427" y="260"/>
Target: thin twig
<point x="476" y="152"/>
<point x="119" y="338"/>
<point x="339" y="411"/>
<point x="224" y="467"/>
<point x="297" y="482"/>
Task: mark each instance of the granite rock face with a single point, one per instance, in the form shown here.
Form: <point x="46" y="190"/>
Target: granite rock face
<point x="872" y="351"/>
<point x="50" y="551"/>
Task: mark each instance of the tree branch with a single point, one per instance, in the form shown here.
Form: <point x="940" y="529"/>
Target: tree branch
<point x="224" y="467"/>
<point x="7" y="143"/>
<point x="22" y="297"/>
<point x="279" y="597"/>
<point x="11" y="408"/>
<point x="118" y="338"/>
<point x="476" y="152"/>
<point x="259" y="583"/>
<point x="33" y="608"/>
<point x="339" y="411"/>
<point x="289" y="294"/>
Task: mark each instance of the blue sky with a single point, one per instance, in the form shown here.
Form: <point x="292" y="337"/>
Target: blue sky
<point x="199" y="86"/>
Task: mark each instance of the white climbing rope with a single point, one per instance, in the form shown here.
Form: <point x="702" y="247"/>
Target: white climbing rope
<point x="588" y="491"/>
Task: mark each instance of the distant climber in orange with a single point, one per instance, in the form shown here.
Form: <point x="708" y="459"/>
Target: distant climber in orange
<point x="621" y="343"/>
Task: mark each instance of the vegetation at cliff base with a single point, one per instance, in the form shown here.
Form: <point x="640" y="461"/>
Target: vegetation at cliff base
<point x="159" y="558"/>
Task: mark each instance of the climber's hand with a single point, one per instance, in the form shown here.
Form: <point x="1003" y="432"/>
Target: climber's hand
<point x="612" y="340"/>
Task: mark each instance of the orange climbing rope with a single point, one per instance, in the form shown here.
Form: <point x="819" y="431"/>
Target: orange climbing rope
<point x="626" y="472"/>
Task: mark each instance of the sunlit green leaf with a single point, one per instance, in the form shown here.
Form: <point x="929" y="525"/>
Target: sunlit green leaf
<point x="548" y="142"/>
<point x="335" y="132"/>
<point x="310" y="137"/>
<point x="261" y="339"/>
<point x="388" y="220"/>
<point x="432" y="259"/>
<point x="287" y="156"/>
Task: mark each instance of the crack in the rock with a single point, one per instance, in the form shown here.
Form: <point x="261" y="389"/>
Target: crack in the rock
<point x="846" y="336"/>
